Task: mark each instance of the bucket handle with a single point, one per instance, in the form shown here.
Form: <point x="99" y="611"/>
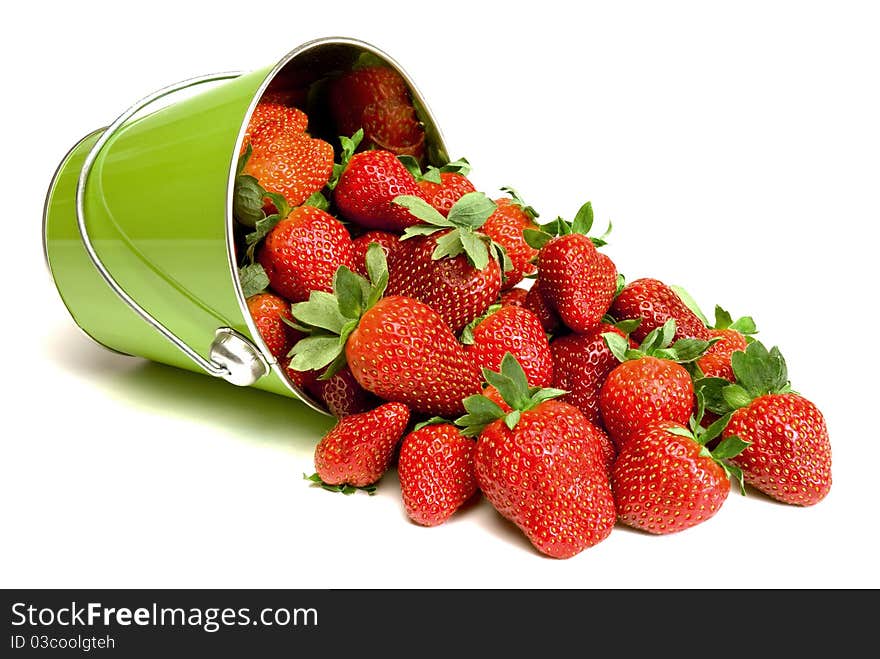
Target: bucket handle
<point x="232" y="356"/>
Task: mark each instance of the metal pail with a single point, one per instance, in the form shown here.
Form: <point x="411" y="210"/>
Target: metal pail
<point x="138" y="226"/>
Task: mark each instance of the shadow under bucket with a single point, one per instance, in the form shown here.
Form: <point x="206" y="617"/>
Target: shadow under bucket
<point x="138" y="224"/>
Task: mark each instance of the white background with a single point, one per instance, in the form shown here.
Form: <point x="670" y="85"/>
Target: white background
<point x="735" y="149"/>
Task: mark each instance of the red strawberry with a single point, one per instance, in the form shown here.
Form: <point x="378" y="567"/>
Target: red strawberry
<point x="732" y="335"/>
<point x="350" y="94"/>
<point x="303" y="251"/>
<point x="540" y="466"/>
<point x="341" y="394"/>
<point x="436" y="469"/>
<point x="516" y="331"/>
<point x="402" y="350"/>
<point x="505" y="226"/>
<point x="576" y="281"/>
<point x="397" y="348"/>
<point x="272" y="121"/>
<point x="452" y="287"/>
<point x="299" y="168"/>
<point x="648" y="385"/>
<point x="514" y="297"/>
<point x="367" y="188"/>
<point x="667" y="481"/>
<point x="581" y="363"/>
<point x="452" y="187"/>
<point x="387" y="241"/>
<point x="359" y="449"/>
<point x="789" y="456"/>
<point x="267" y="310"/>
<point x="446" y="263"/>
<point x="535" y="302"/>
<point x="392" y="125"/>
<point x="655" y="303"/>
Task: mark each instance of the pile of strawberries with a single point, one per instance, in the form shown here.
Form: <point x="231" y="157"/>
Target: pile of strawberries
<point x="389" y="293"/>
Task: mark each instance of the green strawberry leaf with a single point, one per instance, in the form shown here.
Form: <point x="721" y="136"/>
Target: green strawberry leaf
<point x="344" y="488"/>
<point x="314" y="352"/>
<point x="722" y="318"/>
<point x="536" y="239"/>
<point x="461" y="166"/>
<point x="745" y="325"/>
<point x="320" y="310"/>
<point x="667" y="333"/>
<point x="601" y="241"/>
<point x="432" y="175"/>
<point x="689" y="350"/>
<point x="511" y="368"/>
<point x="349" y="292"/>
<point x="583" y="221"/>
<point x="736" y="396"/>
<point x="433" y="421"/>
<point x="448" y="245"/>
<point x="376" y="262"/>
<point x="349" y="146"/>
<point x="627" y="326"/>
<point x="618" y="345"/>
<point x="422" y="210"/>
<point x="729" y="447"/>
<point x="420" y="230"/>
<point x="338" y="362"/>
<point x="512" y="419"/>
<point x="253" y="279"/>
<point x="735" y="474"/>
<point x="471" y="210"/>
<point x="621" y="284"/>
<point x="711" y="390"/>
<point x="500" y="254"/>
<point x="318" y="200"/>
<point x="691" y="304"/>
<point x="481" y="411"/>
<point x="412" y="165"/>
<point x="715" y="428"/>
<point x="476" y="250"/>
<point x="545" y="394"/>
<point x="681" y="432"/>
<point x="247" y="200"/>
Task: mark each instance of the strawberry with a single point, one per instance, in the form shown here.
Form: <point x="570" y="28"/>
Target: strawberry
<point x="442" y="187"/>
<point x="367" y="187"/>
<point x="511" y="330"/>
<point x="649" y="384"/>
<point x="581" y="362"/>
<point x="514" y="297"/>
<point x="576" y="281"/>
<point x="540" y="465"/>
<point x="271" y="122"/>
<point x="351" y="94"/>
<point x="302" y="252"/>
<point x="436" y="469"/>
<point x="297" y="169"/>
<point x="505" y="226"/>
<point x="402" y="350"/>
<point x="655" y="303"/>
<point x="387" y="241"/>
<point x="789" y="456"/>
<point x="397" y="348"/>
<point x="666" y="480"/>
<point x="446" y="263"/>
<point x="393" y="125"/>
<point x="341" y="394"/>
<point x="535" y="302"/>
<point x="731" y="337"/>
<point x="268" y="311"/>
<point x="358" y="450"/>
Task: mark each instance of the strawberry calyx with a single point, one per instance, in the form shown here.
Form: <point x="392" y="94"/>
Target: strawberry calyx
<point x="467" y="334"/>
<point x="248" y="199"/>
<point x="432" y="173"/>
<point x="658" y="343"/>
<point x="461" y="226"/>
<point x="253" y="279"/>
<point x="328" y="319"/>
<point x="349" y="146"/>
<point x="582" y="224"/>
<point x="344" y="488"/>
<point x="745" y="325"/>
<point x="727" y="448"/>
<point x="511" y="383"/>
<point x="757" y="371"/>
<point x="626" y="326"/>
<point x="517" y="200"/>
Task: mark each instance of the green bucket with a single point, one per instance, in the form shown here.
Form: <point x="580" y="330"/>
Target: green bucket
<point x="138" y="226"/>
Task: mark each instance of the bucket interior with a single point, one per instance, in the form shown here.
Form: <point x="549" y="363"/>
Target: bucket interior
<point x="302" y="79"/>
